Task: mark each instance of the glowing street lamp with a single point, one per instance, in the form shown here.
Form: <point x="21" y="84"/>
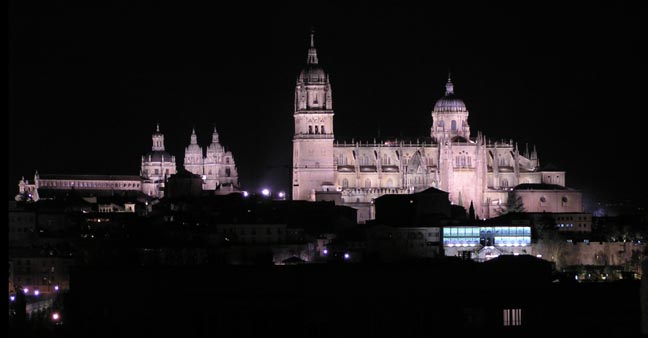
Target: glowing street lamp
<point x="282" y="195"/>
<point x="56" y="287"/>
<point x="36" y="292"/>
<point x="56" y="316"/>
<point x="347" y="256"/>
<point x="12" y="298"/>
<point x="265" y="192"/>
<point x="26" y="290"/>
<point x="245" y="194"/>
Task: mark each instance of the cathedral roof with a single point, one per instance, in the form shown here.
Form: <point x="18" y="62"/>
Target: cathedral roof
<point x="450" y="102"/>
<point x="90" y="177"/>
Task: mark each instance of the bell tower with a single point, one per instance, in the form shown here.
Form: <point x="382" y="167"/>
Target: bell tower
<point x="313" y="138"/>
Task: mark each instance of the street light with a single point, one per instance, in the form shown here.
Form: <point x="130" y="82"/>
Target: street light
<point x="265" y="192"/>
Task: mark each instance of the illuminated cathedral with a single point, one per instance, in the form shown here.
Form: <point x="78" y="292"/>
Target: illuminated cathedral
<point x="470" y="167"/>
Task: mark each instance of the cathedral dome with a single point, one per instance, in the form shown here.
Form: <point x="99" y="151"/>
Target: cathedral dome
<point x="158" y="156"/>
<point x="450" y="102"/>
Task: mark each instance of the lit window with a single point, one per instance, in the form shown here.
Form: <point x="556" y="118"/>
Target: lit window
<point x="512" y="317"/>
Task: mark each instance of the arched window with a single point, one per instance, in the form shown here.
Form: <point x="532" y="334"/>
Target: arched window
<point x="316" y="130"/>
<point x="504" y="183"/>
<point x="453" y="125"/>
<point x="227" y="160"/>
<point x="390" y="183"/>
<point x="228" y="172"/>
<point x="367" y="183"/>
<point x="441" y="124"/>
<point x="310" y="129"/>
<point x="322" y="129"/>
<point x="345" y="183"/>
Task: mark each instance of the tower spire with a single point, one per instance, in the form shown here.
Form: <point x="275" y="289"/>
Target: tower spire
<point x="157" y="128"/>
<point x="215" y="135"/>
<point x="194" y="139"/>
<point x="449" y="85"/>
<point x="312" y="52"/>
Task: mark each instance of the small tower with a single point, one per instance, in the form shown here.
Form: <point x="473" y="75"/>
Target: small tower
<point x="193" y="159"/>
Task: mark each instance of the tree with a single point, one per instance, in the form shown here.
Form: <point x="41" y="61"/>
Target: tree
<point x="513" y="204"/>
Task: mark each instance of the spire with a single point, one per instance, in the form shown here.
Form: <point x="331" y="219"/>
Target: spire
<point x="449" y="86"/>
<point x="157" y="128"/>
<point x="215" y="135"/>
<point x="312" y="52"/>
<point x="193" y="136"/>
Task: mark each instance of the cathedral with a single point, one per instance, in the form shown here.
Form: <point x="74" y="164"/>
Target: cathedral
<point x="471" y="168"/>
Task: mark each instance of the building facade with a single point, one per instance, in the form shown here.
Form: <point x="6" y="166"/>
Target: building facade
<point x="215" y="165"/>
<point x="216" y="168"/>
<point x="471" y="168"/>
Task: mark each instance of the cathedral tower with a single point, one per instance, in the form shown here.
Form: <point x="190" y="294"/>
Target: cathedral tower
<point x="193" y="160"/>
<point x="313" y="139"/>
<point x="157" y="166"/>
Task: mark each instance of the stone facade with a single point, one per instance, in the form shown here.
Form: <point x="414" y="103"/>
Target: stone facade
<point x="216" y="167"/>
<point x="471" y="168"/>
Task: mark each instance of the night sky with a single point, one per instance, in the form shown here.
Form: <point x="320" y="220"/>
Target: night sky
<point x="88" y="81"/>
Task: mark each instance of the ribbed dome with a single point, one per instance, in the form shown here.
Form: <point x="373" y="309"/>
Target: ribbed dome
<point x="450" y="102"/>
<point x="313" y="72"/>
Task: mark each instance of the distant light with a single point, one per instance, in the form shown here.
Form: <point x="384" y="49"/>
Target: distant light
<point x="56" y="287"/>
<point x="516" y="254"/>
<point x="282" y="194"/>
<point x="12" y="298"/>
<point x="347" y="256"/>
<point x="26" y="290"/>
<point x="325" y="252"/>
<point x="539" y="255"/>
<point x="245" y="194"/>
<point x="36" y="292"/>
<point x="265" y="192"/>
<point x="55" y="316"/>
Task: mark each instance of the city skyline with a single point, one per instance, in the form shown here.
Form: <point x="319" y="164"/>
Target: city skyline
<point x="520" y="79"/>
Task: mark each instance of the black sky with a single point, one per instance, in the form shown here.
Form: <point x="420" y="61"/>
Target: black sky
<point x="88" y="81"/>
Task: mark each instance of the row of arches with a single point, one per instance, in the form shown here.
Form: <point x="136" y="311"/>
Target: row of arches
<point x="453" y="124"/>
<point x="368" y="183"/>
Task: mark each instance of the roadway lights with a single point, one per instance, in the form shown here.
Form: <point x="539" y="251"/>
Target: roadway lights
<point x="265" y="192"/>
